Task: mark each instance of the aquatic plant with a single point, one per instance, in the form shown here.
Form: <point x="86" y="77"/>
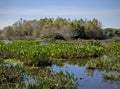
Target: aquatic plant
<point x="48" y="79"/>
<point x="101" y="63"/>
<point x="115" y="48"/>
<point x="75" y="51"/>
<point x="10" y="74"/>
<point x="32" y="53"/>
<point x="12" y="62"/>
<point x="94" y="42"/>
<point x="112" y="75"/>
<point x="12" y="86"/>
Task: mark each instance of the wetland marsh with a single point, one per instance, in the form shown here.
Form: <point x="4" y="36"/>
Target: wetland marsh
<point x="71" y="64"/>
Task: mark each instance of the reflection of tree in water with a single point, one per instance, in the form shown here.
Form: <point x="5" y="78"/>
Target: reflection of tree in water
<point x="79" y="62"/>
<point x="62" y="62"/>
<point x="90" y="72"/>
<point x="112" y="82"/>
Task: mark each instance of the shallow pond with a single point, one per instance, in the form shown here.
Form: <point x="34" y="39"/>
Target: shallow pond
<point x="87" y="79"/>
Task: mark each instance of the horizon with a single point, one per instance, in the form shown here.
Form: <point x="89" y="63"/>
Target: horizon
<point x="106" y="11"/>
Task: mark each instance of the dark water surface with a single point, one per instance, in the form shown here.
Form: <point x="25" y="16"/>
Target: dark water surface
<point x="87" y="79"/>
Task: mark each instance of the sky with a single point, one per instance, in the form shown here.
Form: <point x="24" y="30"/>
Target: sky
<point x="106" y="11"/>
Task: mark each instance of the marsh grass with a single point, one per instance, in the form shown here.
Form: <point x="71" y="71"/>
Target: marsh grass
<point x="12" y="77"/>
<point x="12" y="86"/>
<point x="13" y="62"/>
<point x="106" y="64"/>
<point x="112" y="75"/>
<point x="112" y="48"/>
<point x="32" y="53"/>
<point x="10" y="73"/>
<point x="47" y="79"/>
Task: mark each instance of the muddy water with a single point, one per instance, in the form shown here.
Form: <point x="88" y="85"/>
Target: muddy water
<point x="88" y="79"/>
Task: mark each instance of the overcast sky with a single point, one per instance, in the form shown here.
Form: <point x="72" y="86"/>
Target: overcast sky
<point x="106" y="11"/>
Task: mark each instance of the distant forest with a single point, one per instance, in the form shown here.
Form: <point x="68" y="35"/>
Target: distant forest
<point x="59" y="28"/>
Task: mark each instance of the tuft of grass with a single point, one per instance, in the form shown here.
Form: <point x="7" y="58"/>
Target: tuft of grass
<point x="112" y="76"/>
<point x="48" y="79"/>
<point x="10" y="73"/>
<point x="113" y="49"/>
<point x="107" y="64"/>
<point x="13" y="62"/>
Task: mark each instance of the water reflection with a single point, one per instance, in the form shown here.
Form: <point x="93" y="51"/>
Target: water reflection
<point x="88" y="79"/>
<point x="29" y="80"/>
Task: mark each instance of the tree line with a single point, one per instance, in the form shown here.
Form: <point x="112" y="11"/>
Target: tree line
<point x="59" y="28"/>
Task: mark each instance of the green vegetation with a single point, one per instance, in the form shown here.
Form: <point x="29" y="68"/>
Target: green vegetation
<point x="49" y="80"/>
<point x="33" y="58"/>
<point x="114" y="48"/>
<point x="108" y="63"/>
<point x="11" y="74"/>
<point x="28" y="46"/>
<point x="112" y="76"/>
<point x="32" y="53"/>
<point x="14" y="77"/>
<point x="59" y="28"/>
